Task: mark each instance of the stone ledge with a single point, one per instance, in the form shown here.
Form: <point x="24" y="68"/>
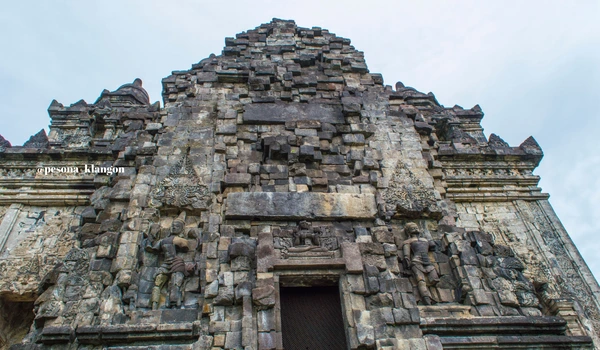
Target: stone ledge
<point x="431" y="313"/>
<point x="67" y="199"/>
<point x="495" y="197"/>
<point x="32" y="154"/>
<point x="518" y="342"/>
<point x="448" y="152"/>
<point x="494" y="325"/>
<point x="112" y="334"/>
<point x="294" y="264"/>
<point x="49" y="191"/>
<point x="300" y="205"/>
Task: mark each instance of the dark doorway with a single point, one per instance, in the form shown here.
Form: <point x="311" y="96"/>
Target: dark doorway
<point x="311" y="318"/>
<point x="16" y="317"/>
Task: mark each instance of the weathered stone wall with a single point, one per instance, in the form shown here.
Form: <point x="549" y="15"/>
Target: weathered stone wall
<point x="40" y="238"/>
<point x="283" y="162"/>
<point x="35" y="240"/>
<point x="537" y="238"/>
<point x="3" y="211"/>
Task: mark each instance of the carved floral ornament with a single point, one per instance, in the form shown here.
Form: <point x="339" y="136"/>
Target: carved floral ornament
<point x="471" y="171"/>
<point x="181" y="188"/>
<point x="407" y="194"/>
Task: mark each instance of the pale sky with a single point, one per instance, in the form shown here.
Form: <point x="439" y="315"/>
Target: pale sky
<point x="533" y="66"/>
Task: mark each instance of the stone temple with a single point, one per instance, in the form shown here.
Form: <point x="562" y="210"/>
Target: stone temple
<point x="282" y="197"/>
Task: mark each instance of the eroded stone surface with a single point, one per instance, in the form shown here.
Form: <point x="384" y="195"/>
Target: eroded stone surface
<point x="269" y="113"/>
<point x="282" y="162"/>
<point x="290" y="205"/>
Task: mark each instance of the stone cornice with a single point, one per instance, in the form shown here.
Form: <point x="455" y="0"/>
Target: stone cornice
<point x="47" y="191"/>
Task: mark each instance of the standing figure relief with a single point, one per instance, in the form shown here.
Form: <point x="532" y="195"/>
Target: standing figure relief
<point x="173" y="269"/>
<point x="416" y="261"/>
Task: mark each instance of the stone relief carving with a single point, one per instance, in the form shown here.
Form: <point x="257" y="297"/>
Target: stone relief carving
<point x="493" y="278"/>
<point x="570" y="283"/>
<point x="77" y="139"/>
<point x="483" y="172"/>
<point x="17" y="173"/>
<point x="173" y="268"/>
<point x="416" y="262"/>
<point x="70" y="171"/>
<point x="307" y="243"/>
<point x="510" y="279"/>
<point x="35" y="243"/>
<point x="542" y="281"/>
<point x="407" y="195"/>
<point x="67" y="287"/>
<point x="181" y="188"/>
<point x="304" y="235"/>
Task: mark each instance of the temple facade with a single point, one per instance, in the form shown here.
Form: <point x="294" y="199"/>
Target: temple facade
<point x="282" y="197"/>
